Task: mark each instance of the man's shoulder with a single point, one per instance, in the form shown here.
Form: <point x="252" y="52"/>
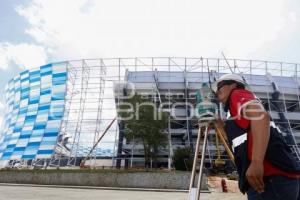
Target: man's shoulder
<point x="241" y="96"/>
<point x="241" y="92"/>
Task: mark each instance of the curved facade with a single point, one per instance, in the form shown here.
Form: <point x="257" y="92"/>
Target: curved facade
<point x="35" y="105"/>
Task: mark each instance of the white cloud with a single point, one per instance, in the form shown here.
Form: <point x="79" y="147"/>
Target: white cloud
<point x="24" y="55"/>
<point x="73" y="29"/>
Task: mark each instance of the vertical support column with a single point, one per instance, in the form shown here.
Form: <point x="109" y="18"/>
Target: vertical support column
<point x="102" y="74"/>
<point x="121" y="127"/>
<point x="187" y="111"/>
<point x="85" y="72"/>
<point x="169" y="119"/>
<point x="120" y="144"/>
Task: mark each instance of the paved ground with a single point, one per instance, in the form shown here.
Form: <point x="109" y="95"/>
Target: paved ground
<point x="16" y="192"/>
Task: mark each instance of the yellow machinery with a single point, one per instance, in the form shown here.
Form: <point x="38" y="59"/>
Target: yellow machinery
<point x="218" y="162"/>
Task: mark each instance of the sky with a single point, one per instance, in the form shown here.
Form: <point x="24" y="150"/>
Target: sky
<point x="37" y="32"/>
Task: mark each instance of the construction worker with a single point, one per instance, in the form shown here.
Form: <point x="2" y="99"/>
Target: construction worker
<point x="265" y="164"/>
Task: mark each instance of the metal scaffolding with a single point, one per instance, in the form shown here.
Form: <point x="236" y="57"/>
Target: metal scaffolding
<point x="92" y="96"/>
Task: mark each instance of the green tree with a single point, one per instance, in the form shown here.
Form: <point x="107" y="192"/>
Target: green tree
<point x="145" y="124"/>
<point x="183" y="159"/>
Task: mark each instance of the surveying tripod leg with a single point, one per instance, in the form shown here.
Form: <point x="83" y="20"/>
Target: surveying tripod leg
<point x="194" y="192"/>
<point x="192" y="188"/>
<point x="202" y="162"/>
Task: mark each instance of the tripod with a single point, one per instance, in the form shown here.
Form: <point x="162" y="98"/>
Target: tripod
<point x="205" y="124"/>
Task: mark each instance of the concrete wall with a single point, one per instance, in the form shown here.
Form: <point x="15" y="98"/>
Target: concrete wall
<point x="157" y="180"/>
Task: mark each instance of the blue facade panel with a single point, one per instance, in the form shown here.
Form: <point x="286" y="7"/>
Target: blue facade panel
<point x="26" y="134"/>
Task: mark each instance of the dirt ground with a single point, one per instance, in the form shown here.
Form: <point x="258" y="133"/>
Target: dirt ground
<point x="214" y="183"/>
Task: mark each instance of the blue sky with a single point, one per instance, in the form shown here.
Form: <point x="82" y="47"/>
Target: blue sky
<point x="36" y="32"/>
<point x="13" y="25"/>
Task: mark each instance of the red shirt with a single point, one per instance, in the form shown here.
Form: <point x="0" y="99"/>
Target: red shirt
<point x="239" y="99"/>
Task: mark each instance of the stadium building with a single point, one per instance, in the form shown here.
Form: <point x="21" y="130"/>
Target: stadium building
<point x="55" y="114"/>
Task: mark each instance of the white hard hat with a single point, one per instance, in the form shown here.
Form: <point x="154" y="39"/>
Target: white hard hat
<point x="228" y="77"/>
